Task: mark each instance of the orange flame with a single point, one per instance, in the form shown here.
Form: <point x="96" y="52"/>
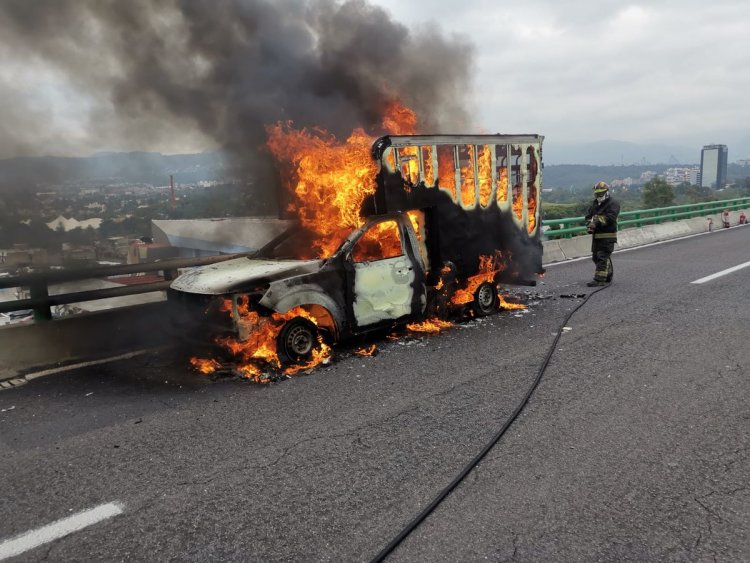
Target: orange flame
<point x="319" y="355"/>
<point x="468" y="190"/>
<point x="532" y="210"/>
<point x="518" y="201"/>
<point x="489" y="266"/>
<point x="205" y="366"/>
<point x="510" y="306"/>
<point x="399" y="119"/>
<point x="366" y="351"/>
<point x="447" y="169"/>
<point x="259" y="348"/>
<point x="381" y="241"/>
<point x="429" y="172"/>
<point x="502" y="185"/>
<point x="331" y="179"/>
<point x="431" y="326"/>
<point x="485" y="175"/>
<point x="409" y="159"/>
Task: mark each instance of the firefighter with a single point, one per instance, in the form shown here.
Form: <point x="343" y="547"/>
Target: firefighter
<point x="601" y="224"/>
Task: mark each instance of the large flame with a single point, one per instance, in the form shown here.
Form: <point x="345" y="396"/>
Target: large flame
<point x="330" y="179"/>
<point x="257" y="352"/>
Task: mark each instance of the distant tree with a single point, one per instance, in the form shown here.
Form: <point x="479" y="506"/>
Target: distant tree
<point x="657" y="193"/>
<point x="688" y="193"/>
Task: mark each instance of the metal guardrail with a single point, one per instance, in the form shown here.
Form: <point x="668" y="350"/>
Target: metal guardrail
<point x="41" y="301"/>
<point x="641" y="217"/>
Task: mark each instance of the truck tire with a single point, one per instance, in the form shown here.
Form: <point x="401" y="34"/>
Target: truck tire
<point x="296" y="341"/>
<point x="485" y="299"/>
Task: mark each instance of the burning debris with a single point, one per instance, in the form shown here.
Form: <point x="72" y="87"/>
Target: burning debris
<point x="431" y="326"/>
<point x="367" y="351"/>
<point x="255" y="352"/>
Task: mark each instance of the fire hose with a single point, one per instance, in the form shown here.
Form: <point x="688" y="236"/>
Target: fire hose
<point x="414" y="524"/>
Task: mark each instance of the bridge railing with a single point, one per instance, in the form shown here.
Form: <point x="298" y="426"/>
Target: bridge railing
<point x="572" y="226"/>
<point x="38" y="283"/>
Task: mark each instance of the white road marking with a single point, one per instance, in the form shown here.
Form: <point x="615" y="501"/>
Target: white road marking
<point x="722" y="273"/>
<point x="129" y="355"/>
<point x="29" y="540"/>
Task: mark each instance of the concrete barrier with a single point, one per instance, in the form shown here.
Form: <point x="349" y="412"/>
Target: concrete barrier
<point x="83" y="337"/>
<point x="577" y="247"/>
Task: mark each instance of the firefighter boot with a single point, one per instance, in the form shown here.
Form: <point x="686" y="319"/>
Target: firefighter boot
<point x="597" y="283"/>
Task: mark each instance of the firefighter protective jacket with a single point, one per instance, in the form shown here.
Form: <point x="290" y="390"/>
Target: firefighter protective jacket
<point x="604" y="216"/>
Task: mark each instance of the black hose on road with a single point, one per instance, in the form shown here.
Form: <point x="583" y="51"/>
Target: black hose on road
<point x="411" y="526"/>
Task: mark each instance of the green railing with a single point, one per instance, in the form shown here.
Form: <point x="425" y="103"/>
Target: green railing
<point x="571" y="226"/>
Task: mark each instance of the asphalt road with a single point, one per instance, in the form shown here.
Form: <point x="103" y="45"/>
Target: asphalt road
<point x="636" y="444"/>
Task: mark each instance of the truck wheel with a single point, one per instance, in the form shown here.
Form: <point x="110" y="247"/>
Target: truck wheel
<point x="485" y="299"/>
<point x="296" y="341"/>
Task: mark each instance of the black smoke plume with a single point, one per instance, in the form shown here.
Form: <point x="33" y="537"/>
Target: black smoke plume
<point x="151" y="73"/>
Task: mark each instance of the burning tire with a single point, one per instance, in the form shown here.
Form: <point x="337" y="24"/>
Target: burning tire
<point x="485" y="299"/>
<point x="296" y="341"/>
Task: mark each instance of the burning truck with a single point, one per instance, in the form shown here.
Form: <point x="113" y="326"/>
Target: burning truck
<point x="431" y="226"/>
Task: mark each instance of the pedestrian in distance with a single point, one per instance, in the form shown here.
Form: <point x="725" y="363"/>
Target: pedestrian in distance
<point x="601" y="224"/>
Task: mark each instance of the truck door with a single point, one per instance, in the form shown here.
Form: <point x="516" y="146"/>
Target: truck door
<point x="385" y="275"/>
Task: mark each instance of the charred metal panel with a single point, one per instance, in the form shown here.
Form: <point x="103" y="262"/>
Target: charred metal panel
<point x="459" y="230"/>
<point x="383" y="290"/>
<point x="325" y="288"/>
<point x="240" y="274"/>
<point x="305" y="295"/>
<point x="463" y="235"/>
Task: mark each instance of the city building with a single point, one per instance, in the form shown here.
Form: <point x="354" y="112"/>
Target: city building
<point x="677" y="176"/>
<point x="714" y="166"/>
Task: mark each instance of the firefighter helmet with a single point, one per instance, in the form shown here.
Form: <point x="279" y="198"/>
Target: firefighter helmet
<point x="601" y="188"/>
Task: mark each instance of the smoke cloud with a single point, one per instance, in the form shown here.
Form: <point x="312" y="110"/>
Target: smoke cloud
<point x="144" y="74"/>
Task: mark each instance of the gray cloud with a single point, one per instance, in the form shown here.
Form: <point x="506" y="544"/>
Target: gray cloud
<point x="180" y="74"/>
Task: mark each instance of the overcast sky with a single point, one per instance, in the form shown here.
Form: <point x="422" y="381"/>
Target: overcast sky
<point x="673" y="71"/>
<point x="662" y="71"/>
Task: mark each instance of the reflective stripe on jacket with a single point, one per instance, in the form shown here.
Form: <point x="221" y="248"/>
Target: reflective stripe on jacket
<point x="604" y="216"/>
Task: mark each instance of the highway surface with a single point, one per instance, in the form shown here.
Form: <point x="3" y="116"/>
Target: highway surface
<point x="634" y="446"/>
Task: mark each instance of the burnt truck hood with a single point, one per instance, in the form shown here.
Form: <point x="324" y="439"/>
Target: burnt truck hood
<point x="240" y="274"/>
